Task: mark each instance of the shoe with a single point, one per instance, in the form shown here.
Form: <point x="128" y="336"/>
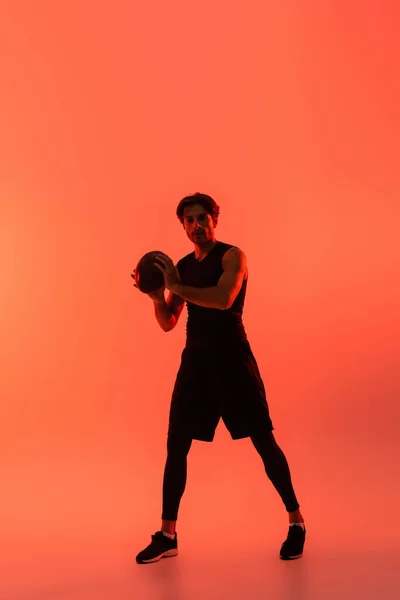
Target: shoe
<point x="293" y="546"/>
<point x="161" y="547"/>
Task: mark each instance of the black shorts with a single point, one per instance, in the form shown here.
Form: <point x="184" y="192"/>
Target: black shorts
<point x="216" y="383"/>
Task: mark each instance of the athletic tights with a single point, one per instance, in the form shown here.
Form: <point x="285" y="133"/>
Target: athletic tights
<point x="175" y="473"/>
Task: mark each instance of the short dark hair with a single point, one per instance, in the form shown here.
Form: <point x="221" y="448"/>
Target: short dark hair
<point x="206" y="201"/>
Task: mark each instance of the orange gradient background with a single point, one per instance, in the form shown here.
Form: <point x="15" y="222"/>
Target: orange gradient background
<point x="288" y="115"/>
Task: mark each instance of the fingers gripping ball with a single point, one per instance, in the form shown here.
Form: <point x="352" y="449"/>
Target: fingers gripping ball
<point x="148" y="277"/>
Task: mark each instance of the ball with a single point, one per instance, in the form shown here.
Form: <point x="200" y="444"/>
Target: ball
<point x="148" y="278"/>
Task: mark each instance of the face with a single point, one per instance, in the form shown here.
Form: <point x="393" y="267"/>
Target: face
<point x="198" y="224"/>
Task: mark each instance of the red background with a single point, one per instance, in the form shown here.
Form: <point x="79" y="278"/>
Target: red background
<point x="287" y="113"/>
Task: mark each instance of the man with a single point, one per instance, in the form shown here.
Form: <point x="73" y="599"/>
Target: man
<point x="218" y="376"/>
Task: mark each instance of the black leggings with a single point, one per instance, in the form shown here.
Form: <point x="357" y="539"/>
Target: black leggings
<point x="175" y="473"/>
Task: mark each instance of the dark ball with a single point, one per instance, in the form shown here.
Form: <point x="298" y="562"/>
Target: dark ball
<point x="148" y="278"/>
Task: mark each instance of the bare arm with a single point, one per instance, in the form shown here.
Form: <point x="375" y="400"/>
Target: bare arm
<point x="222" y="295"/>
<point x="168" y="311"/>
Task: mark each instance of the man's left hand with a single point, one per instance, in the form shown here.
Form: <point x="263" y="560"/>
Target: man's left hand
<point x="168" y="269"/>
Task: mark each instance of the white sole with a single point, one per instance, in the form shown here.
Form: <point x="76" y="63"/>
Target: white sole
<point x="167" y="554"/>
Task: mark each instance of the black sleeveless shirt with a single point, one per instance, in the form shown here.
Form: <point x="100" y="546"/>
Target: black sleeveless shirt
<point x="211" y="327"/>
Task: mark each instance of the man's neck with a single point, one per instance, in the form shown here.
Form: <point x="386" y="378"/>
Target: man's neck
<point x="201" y="252"/>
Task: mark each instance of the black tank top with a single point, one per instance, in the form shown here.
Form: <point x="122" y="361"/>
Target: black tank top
<point x="211" y="327"/>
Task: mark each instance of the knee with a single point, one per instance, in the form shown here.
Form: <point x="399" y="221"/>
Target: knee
<point x="264" y="442"/>
<point x="178" y="445"/>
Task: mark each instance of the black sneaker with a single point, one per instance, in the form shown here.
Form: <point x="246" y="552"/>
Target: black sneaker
<point x="293" y="546"/>
<point x="160" y="547"/>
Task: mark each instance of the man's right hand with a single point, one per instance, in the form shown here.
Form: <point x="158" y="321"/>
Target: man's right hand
<point x="157" y="295"/>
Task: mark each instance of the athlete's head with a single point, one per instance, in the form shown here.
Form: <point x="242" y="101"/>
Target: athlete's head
<point x="199" y="216"/>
